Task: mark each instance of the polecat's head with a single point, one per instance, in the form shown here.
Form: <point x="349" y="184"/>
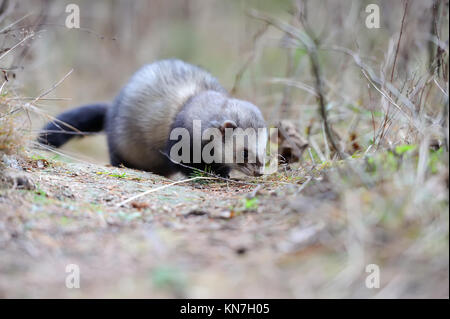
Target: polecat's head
<point x="234" y="132"/>
<point x="245" y="135"/>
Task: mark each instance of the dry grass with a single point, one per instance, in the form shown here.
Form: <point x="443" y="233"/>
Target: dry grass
<point x="11" y="140"/>
<point x="372" y="187"/>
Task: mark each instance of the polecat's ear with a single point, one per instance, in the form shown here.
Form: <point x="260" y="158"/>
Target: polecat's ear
<point x="227" y="124"/>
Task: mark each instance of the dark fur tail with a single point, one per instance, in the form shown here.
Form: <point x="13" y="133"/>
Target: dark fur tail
<point x="73" y="123"/>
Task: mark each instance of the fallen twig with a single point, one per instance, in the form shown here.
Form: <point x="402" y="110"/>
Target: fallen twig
<point x="161" y="187"/>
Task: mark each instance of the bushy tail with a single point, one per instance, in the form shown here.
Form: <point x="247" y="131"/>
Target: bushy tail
<point x="73" y="123"/>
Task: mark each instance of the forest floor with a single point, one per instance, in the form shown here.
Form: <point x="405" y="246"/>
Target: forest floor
<point x="305" y="232"/>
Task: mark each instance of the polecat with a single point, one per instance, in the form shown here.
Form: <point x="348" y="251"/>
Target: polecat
<point x="160" y="97"/>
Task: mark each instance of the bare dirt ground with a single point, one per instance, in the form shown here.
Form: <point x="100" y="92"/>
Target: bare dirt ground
<point x="293" y="235"/>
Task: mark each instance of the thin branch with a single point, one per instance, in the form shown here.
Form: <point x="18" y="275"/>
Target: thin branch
<point x="63" y="154"/>
<point x="296" y="84"/>
<point x="42" y="99"/>
<point x="52" y="88"/>
<point x="18" y="44"/>
<point x="399" y="39"/>
<point x="5" y="29"/>
<point x="65" y="132"/>
<point x="159" y="188"/>
<point x="322" y="103"/>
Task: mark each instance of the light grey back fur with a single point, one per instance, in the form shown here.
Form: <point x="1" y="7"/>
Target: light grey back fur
<point x="140" y="119"/>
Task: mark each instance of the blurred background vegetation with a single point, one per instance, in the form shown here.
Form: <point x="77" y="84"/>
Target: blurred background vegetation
<point x="379" y="95"/>
<point x="118" y="37"/>
<point x="251" y="56"/>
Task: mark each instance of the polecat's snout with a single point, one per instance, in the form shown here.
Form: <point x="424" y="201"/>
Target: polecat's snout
<point x="251" y="169"/>
<point x="256" y="171"/>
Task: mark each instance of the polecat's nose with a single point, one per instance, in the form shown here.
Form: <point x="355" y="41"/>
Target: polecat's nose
<point x="257" y="172"/>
